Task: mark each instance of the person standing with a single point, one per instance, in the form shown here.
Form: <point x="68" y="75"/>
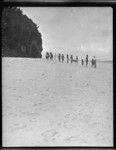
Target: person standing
<point x="59" y="57"/>
<point x="86" y="60"/>
<point x="51" y="56"/>
<point x="47" y="55"/>
<point x="82" y="62"/>
<point x="94" y="61"/>
<point x="77" y="59"/>
<point x="71" y="57"/>
<point x="62" y="57"/>
<point x="67" y="56"/>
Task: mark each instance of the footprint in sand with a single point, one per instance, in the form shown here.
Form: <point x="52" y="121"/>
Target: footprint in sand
<point x="19" y="126"/>
<point x="49" y="134"/>
<point x="33" y="120"/>
<point x="70" y="139"/>
<point x="74" y="139"/>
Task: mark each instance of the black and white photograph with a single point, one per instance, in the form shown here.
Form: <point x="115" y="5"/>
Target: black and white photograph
<point x="57" y="76"/>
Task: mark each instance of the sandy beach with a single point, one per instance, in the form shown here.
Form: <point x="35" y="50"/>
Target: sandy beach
<point x="47" y="103"/>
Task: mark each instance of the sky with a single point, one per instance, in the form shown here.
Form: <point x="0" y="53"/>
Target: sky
<point x="75" y="30"/>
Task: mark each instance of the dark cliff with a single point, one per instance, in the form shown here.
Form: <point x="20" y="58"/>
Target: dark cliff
<point x="20" y="35"/>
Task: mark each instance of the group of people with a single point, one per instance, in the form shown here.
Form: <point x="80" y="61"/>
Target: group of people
<point x="69" y="58"/>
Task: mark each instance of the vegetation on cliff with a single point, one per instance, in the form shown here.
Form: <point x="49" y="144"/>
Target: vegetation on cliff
<point x="20" y="35"/>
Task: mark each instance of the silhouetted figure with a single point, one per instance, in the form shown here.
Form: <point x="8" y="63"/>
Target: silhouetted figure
<point x="94" y="60"/>
<point x="62" y="58"/>
<point x="82" y="62"/>
<point x="86" y="60"/>
<point x="51" y="56"/>
<point x="47" y="55"/>
<point x="77" y="59"/>
<point x="67" y="56"/>
<point x="59" y="57"/>
<point x="71" y="58"/>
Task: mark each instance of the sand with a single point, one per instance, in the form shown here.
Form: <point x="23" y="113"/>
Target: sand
<point x="48" y="103"/>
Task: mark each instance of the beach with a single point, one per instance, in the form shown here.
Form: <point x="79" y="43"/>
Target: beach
<point x="48" y="103"/>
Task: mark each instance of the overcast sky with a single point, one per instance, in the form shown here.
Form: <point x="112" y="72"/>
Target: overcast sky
<point x="75" y="30"/>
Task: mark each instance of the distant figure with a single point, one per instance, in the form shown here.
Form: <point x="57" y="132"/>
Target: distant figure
<point x="67" y="56"/>
<point x="82" y="62"/>
<point x="71" y="57"/>
<point x="59" y="57"/>
<point x="77" y="59"/>
<point x="51" y="56"/>
<point x="47" y="55"/>
<point x="94" y="60"/>
<point x="62" y="58"/>
<point x="86" y="60"/>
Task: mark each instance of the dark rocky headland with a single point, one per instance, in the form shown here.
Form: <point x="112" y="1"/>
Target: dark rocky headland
<point x="20" y="35"/>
